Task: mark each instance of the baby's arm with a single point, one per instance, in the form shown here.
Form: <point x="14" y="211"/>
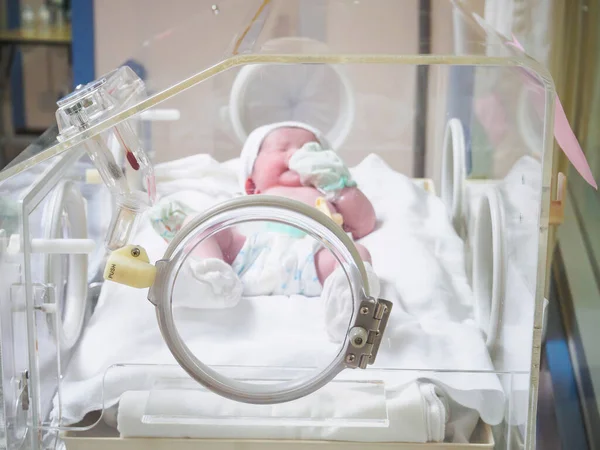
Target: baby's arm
<point x="357" y="211"/>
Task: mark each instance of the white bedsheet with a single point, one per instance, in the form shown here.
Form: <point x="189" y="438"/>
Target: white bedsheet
<point x="415" y="251"/>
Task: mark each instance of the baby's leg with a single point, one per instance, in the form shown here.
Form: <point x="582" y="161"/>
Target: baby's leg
<point x="214" y="282"/>
<point x="326" y="263"/>
<point x="225" y="245"/>
<point x="336" y="292"/>
<point x="231" y="243"/>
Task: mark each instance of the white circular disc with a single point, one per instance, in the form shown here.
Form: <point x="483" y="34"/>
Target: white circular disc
<point x="317" y="94"/>
<point x="489" y="265"/>
<point x="67" y="219"/>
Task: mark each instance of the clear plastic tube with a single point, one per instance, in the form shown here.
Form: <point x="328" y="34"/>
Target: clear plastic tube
<point x="128" y="204"/>
<point x="109" y="171"/>
<point x="124" y="219"/>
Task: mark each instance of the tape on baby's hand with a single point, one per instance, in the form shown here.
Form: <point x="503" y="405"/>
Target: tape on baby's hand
<point x="321" y="205"/>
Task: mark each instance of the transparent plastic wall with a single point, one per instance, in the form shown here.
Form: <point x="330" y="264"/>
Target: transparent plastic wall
<point x="449" y="141"/>
<point x="47" y="295"/>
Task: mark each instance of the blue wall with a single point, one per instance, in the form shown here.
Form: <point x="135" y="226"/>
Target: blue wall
<point x="82" y="19"/>
<point x="82" y="22"/>
<point x="16" y="75"/>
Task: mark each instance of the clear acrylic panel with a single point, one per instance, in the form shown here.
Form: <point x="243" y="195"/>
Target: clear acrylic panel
<point x="373" y="406"/>
<point x="249" y="28"/>
<point x="50" y="258"/>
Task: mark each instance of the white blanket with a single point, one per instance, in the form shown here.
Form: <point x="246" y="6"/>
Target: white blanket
<point x="415" y="251"/>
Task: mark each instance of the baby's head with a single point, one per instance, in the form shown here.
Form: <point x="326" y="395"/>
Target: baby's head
<point x="266" y="154"/>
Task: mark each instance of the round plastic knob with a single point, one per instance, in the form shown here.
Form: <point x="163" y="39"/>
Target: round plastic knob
<point x="358" y="337"/>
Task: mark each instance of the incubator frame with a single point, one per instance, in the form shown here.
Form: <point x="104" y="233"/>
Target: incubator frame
<point x="167" y="269"/>
<point x="224" y="215"/>
<point x="48" y="180"/>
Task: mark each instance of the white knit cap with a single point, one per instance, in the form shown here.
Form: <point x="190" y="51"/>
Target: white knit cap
<point x="255" y="140"/>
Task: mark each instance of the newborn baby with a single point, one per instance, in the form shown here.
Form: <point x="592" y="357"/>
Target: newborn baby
<point x="280" y="259"/>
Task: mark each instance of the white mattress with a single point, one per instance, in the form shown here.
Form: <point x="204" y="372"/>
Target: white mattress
<point x="415" y="251"/>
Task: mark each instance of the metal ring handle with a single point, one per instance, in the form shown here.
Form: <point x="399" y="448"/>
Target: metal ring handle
<point x="247" y="209"/>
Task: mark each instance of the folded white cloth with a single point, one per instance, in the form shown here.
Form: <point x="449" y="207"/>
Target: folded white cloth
<point x="200" y="173"/>
<point x="414" y="246"/>
<point x="200" y="414"/>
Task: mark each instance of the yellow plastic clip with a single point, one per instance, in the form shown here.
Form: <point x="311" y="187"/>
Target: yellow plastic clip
<point x="321" y="205"/>
<point x="557" y="207"/>
<point x="130" y="265"/>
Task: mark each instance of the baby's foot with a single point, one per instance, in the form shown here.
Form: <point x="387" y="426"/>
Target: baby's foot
<point x="338" y="301"/>
<point x="210" y="283"/>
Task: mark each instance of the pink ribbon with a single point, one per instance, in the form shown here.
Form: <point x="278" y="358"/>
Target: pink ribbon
<point x="565" y="137"/>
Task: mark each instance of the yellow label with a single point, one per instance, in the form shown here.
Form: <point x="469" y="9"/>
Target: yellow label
<point x="130" y="266"/>
<point x="321" y="205"/>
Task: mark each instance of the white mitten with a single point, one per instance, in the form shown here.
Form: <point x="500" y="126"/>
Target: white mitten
<point x="207" y="283"/>
<point x="338" y="301"/>
<point x="321" y="168"/>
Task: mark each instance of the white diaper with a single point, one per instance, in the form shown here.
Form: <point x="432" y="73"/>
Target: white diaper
<point x="270" y="263"/>
<point x="278" y="263"/>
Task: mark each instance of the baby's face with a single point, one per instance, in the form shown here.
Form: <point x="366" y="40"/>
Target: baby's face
<point x="271" y="167"/>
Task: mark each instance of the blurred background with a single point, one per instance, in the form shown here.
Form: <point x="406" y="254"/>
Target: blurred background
<point x="49" y="47"/>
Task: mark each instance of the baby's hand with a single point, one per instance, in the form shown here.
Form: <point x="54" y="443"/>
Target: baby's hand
<point x="323" y="206"/>
<point x="357" y="211"/>
<point x="323" y="169"/>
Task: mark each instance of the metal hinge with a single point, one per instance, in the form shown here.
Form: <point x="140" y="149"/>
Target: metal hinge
<point x="23" y="386"/>
<point x="366" y="335"/>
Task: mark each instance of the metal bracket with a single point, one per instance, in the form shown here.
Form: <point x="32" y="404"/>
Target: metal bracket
<point x="367" y="333"/>
<point x="557" y="207"/>
<point x="23" y="386"/>
<point x="160" y="265"/>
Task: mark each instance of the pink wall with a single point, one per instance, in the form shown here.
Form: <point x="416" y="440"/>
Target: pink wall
<point x="384" y="94"/>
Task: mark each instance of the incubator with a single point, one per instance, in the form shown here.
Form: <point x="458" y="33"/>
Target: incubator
<point x="152" y="295"/>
